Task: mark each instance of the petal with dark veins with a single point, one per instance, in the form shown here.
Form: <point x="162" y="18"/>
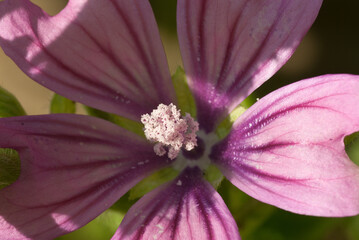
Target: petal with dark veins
<point x="187" y="208"/>
<point x="73" y="168"/>
<point x="104" y="54"/>
<point x="230" y="48"/>
<point x="288" y="150"/>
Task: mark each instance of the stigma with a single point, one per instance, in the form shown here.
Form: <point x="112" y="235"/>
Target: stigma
<point x="169" y="130"/>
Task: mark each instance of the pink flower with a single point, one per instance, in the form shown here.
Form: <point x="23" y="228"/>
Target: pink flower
<point x="286" y="150"/>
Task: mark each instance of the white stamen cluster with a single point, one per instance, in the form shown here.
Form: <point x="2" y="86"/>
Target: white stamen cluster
<point x="166" y="127"/>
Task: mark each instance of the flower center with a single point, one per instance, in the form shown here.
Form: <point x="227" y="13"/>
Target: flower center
<point x="169" y="130"/>
<point x="197" y="152"/>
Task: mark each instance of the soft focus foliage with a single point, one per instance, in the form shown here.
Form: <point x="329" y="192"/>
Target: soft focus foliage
<point x="151" y="182"/>
<point x="9" y="105"/>
<point x="131" y="125"/>
<point x="185" y="99"/>
<point x="9" y="166"/>
<point x="61" y="104"/>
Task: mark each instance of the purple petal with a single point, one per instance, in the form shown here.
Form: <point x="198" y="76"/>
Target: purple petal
<point x="288" y="148"/>
<point x="230" y="48"/>
<point x="188" y="208"/>
<point x="73" y="168"/>
<point x="105" y="54"/>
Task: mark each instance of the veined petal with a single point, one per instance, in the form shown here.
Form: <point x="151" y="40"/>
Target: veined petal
<point x="187" y="208"/>
<point x="72" y="168"/>
<point x="288" y="148"/>
<point x="105" y="54"/>
<point x="230" y="48"/>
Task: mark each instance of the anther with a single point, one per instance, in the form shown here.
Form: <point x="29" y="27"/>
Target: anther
<point x="169" y="130"/>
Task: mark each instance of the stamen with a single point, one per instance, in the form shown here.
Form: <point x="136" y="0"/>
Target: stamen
<point x="166" y="127"/>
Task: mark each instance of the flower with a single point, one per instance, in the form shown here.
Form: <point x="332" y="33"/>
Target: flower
<point x="286" y="150"/>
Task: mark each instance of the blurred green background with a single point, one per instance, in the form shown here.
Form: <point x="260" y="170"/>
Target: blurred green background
<point x="331" y="46"/>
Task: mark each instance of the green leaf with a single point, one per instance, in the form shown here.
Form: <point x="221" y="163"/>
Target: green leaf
<point x="225" y="126"/>
<point x="153" y="181"/>
<point x="352" y="147"/>
<point x="9" y="105"/>
<point x="102" y="227"/>
<point x="352" y="138"/>
<point x="60" y="104"/>
<point x="9" y="166"/>
<point x="133" y="126"/>
<point x="184" y="96"/>
<point x="214" y="176"/>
